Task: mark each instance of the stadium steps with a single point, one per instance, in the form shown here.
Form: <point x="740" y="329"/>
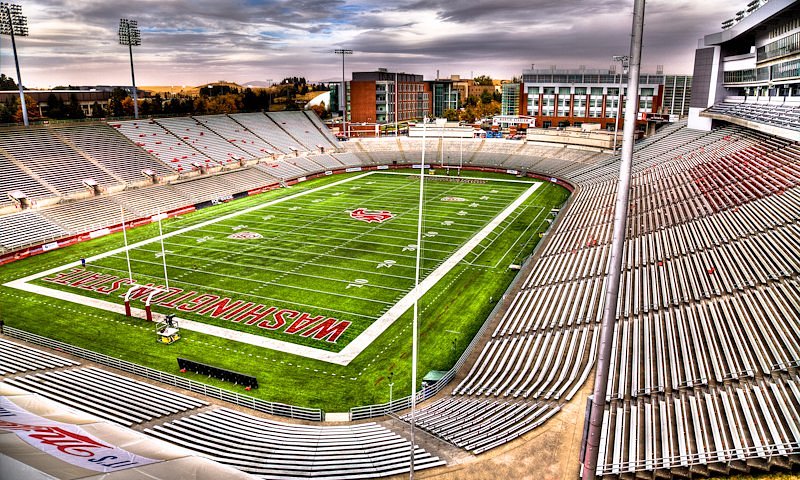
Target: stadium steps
<point x="323" y="130"/>
<point x="471" y="158"/>
<point x="40" y="188"/>
<point x="57" y="133"/>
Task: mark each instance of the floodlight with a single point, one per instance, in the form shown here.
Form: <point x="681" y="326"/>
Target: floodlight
<point x="13" y="23"/>
<point x="131" y="36"/>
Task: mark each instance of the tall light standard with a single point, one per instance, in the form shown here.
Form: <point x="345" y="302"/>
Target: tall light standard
<point x="623" y="60"/>
<point x="13" y="23"/>
<point x="343" y="52"/>
<point x="597" y="403"/>
<point x="130" y="35"/>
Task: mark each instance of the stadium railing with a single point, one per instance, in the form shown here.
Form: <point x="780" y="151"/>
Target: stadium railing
<point x="272" y="408"/>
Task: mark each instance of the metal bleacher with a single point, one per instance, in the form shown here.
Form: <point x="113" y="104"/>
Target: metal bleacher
<point x="276" y="450"/>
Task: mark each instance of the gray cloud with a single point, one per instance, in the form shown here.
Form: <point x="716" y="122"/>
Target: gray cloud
<point x="193" y="42"/>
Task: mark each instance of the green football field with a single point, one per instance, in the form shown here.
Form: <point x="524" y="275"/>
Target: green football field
<point x="311" y="268"/>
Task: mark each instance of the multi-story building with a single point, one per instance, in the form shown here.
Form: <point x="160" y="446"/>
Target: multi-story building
<point x="382" y="97"/>
<point x="562" y="98"/>
<point x="754" y="58"/>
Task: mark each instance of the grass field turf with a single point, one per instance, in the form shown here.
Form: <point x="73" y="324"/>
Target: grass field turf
<point x="306" y="242"/>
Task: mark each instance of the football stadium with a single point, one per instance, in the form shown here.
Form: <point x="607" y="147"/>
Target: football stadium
<point x="261" y="294"/>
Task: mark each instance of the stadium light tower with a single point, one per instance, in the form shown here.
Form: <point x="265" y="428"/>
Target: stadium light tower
<point x="14" y="24"/>
<point x="343" y="52"/>
<point x="597" y="402"/>
<point x="623" y="60"/>
<point x="130" y="35"/>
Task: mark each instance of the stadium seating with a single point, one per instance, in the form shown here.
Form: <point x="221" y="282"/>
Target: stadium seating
<point x="262" y="126"/>
<point x="26" y="228"/>
<point x="776" y="112"/>
<point x="204" y="140"/>
<point x="15" y="178"/>
<point x="237" y="135"/>
<point x="55" y="163"/>
<point x="302" y="129"/>
<point x="112" y="150"/>
<point x="16" y="358"/>
<point x="165" y="146"/>
<point x="276" y="450"/>
<point x="706" y="341"/>
<point x="152" y="200"/>
<point x="106" y="395"/>
<point x="96" y="213"/>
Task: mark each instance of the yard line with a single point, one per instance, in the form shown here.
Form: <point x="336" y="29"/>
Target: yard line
<point x="346" y="221"/>
<point x="275" y="247"/>
<point x="317" y="244"/>
<point x="257" y="267"/>
<point x="289" y="260"/>
<point x="386" y="226"/>
<point x="264" y="283"/>
<point x="219" y="289"/>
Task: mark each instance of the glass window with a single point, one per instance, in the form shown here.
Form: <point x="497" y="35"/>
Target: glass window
<point x="564" y="91"/>
<point x="580" y="90"/>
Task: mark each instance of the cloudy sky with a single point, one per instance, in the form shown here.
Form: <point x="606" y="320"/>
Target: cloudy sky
<point x="191" y="42"/>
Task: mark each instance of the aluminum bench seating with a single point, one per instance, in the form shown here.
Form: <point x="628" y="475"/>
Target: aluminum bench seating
<point x="16" y="358"/>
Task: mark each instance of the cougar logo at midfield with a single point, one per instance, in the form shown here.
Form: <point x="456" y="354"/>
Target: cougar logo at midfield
<point x="369" y="217"/>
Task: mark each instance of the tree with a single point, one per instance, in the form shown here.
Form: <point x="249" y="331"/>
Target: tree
<point x="320" y="110"/>
<point x="486" y="97"/>
<point x="32" y="107"/>
<point x="55" y="107"/>
<point x="8" y="109"/>
<point x="98" y="111"/>
<point x="249" y="101"/>
<point x="115" y="102"/>
<point x="127" y="107"/>
<point x="483" y="80"/>
<point x="451" y="115"/>
<point x="7" y="83"/>
<point x="74" y="109"/>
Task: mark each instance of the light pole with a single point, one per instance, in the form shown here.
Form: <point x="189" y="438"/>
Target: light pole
<point x="269" y="93"/>
<point x="597" y="403"/>
<point x="623" y="60"/>
<point x="130" y="35"/>
<point x="343" y="52"/>
<point x="415" y="318"/>
<point x="13" y="23"/>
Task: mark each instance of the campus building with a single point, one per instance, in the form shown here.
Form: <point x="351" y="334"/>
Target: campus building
<point x="383" y="97"/>
<point x="563" y="98"/>
<point x="755" y="60"/>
